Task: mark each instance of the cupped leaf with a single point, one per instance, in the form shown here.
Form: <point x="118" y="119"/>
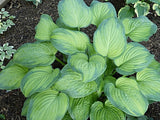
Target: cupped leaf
<point x="35" y="54"/>
<point x="79" y="108"/>
<point x="72" y="84"/>
<point x="131" y="1"/>
<point x="107" y="111"/>
<point x="38" y="79"/>
<point x="101" y="11"/>
<point x="90" y="67"/>
<point x="44" y="28"/>
<point x="48" y="105"/>
<point x="126" y="12"/>
<point x="141" y="8"/>
<point x="149" y="81"/>
<point x="68" y="41"/>
<point x="126" y="96"/>
<point x="109" y="39"/>
<point x="139" y="29"/>
<point x="134" y="59"/>
<point x="11" y="77"/>
<point x="156" y="7"/>
<point x="74" y="13"/>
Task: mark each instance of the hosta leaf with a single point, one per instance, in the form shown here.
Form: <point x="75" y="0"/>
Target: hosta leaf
<point x="68" y="41"/>
<point x="155" y="65"/>
<point x="109" y="39"/>
<point x="149" y="82"/>
<point x="156" y="7"/>
<point x="35" y="54"/>
<point x="131" y="1"/>
<point x="134" y="59"/>
<point x="79" y="108"/>
<point x="139" y="29"/>
<point x="107" y="111"/>
<point x="44" y="28"/>
<point x="67" y="117"/>
<point x="26" y="106"/>
<point x="126" y="96"/>
<point x="38" y="79"/>
<point x="10" y="78"/>
<point x="48" y="105"/>
<point x="71" y="83"/>
<point x="90" y="68"/>
<point x="126" y="12"/>
<point x="101" y="11"/>
<point x="155" y="1"/>
<point x="74" y="13"/>
<point x="141" y="8"/>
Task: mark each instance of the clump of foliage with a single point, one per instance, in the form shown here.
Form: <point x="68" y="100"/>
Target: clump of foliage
<point x="2" y="117"/>
<point x="5" y="20"/>
<point x="87" y="86"/>
<point x="35" y="2"/>
<point x="6" y="52"/>
<point x="140" y="7"/>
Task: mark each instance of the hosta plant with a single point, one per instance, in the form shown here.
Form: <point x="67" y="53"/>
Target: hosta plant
<point x="106" y="78"/>
<point x="35" y="2"/>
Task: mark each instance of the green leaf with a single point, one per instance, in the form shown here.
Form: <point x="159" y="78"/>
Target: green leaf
<point x="35" y="54"/>
<point x="71" y="83"/>
<point x="126" y="96"/>
<point x="134" y="59"/>
<point x="131" y="1"/>
<point x="10" y="78"/>
<point x="44" y="28"/>
<point x="48" y="105"/>
<point x="69" y="42"/>
<point x="109" y="39"/>
<point x="155" y="1"/>
<point x="110" y="67"/>
<point x="79" y="108"/>
<point x="156" y="7"/>
<point x="155" y="65"/>
<point x="141" y="8"/>
<point x="149" y="81"/>
<point x="67" y="117"/>
<point x="109" y="79"/>
<point x="90" y="67"/>
<point x="139" y="29"/>
<point x="126" y="12"/>
<point x="107" y="111"/>
<point x="38" y="79"/>
<point x="74" y="13"/>
<point x="101" y="11"/>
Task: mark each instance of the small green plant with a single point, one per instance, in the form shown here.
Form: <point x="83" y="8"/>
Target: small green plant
<point x="35" y="2"/>
<point x="2" y="117"/>
<point x="5" y="20"/>
<point x="105" y="79"/>
<point x="6" y="52"/>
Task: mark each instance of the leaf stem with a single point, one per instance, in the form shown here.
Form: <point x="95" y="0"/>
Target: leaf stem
<point x="58" y="60"/>
<point x="78" y="28"/>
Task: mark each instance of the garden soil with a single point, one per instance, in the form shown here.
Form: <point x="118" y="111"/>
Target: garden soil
<point x="27" y="17"/>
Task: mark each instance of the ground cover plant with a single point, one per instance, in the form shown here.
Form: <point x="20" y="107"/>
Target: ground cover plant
<point x="88" y="74"/>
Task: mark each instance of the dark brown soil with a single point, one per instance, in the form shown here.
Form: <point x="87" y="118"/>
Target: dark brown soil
<point x="27" y="17"/>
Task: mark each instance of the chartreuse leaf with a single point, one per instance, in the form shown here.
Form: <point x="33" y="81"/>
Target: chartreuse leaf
<point x="139" y="29"/>
<point x="107" y="111"/>
<point x="126" y="12"/>
<point x="38" y="79"/>
<point x="74" y="13"/>
<point x="141" y="8"/>
<point x="26" y="106"/>
<point x="48" y="105"/>
<point x="10" y="77"/>
<point x="72" y="84"/>
<point x="126" y="96"/>
<point x="134" y="59"/>
<point x="35" y="54"/>
<point x="155" y="65"/>
<point x="149" y="81"/>
<point x="68" y="41"/>
<point x="79" y="108"/>
<point x="155" y="1"/>
<point x="101" y="11"/>
<point x="131" y="1"/>
<point x="90" y="67"/>
<point x="44" y="28"/>
<point x="109" y="39"/>
<point x="156" y="7"/>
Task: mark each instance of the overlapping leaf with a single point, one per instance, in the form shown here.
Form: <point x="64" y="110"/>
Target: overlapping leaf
<point x="101" y="11"/>
<point x="48" y="105"/>
<point x="109" y="39"/>
<point x="38" y="79"/>
<point x="156" y="7"/>
<point x="134" y="59"/>
<point x="74" y="13"/>
<point x="68" y="41"/>
<point x="126" y="12"/>
<point x="131" y="1"/>
<point x="126" y="96"/>
<point x="155" y="1"/>
<point x="35" y="54"/>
